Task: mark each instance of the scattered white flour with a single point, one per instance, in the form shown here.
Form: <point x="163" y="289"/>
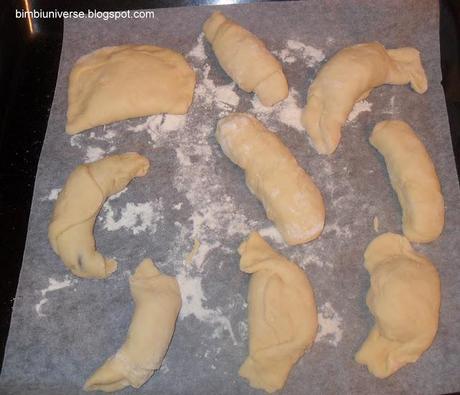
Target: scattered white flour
<point x="296" y="50"/>
<point x="340" y="232"/>
<point x="330" y="325"/>
<point x="287" y="112"/>
<point x="177" y="206"/>
<point x="198" y="50"/>
<point x="376" y="224"/>
<point x="53" y="285"/>
<point x="215" y="216"/>
<point x="243" y="330"/>
<point x="306" y="259"/>
<point x="223" y="97"/>
<point x="117" y="195"/>
<point x="226" y="97"/>
<point x="391" y="107"/>
<point x="359" y="107"/>
<point x="53" y="195"/>
<point x="93" y="154"/>
<point x="164" y="368"/>
<point x="76" y="140"/>
<point x="192" y="253"/>
<point x="158" y="126"/>
<point x="192" y="304"/>
<point x="136" y="217"/>
<point x="184" y="159"/>
<point x="272" y="233"/>
<point x="108" y="134"/>
<point x="199" y="257"/>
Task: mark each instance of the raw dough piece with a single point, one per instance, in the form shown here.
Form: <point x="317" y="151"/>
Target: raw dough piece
<point x="158" y="301"/>
<point x="88" y="186"/>
<point x="348" y="77"/>
<point x="413" y="177"/>
<point x="246" y="59"/>
<point x="290" y="198"/>
<point x="116" y="83"/>
<point x="282" y="314"/>
<point x="404" y="298"/>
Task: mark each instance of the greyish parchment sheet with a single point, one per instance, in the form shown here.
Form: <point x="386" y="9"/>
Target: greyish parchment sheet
<point x="63" y="327"/>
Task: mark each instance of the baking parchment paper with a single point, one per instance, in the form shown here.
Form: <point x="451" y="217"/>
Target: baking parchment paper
<point x="63" y="327"/>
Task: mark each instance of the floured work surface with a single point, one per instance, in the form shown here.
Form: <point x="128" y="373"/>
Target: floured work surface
<point x="64" y="327"/>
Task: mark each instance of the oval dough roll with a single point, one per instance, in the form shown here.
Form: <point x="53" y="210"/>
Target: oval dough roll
<point x="246" y="59"/>
<point x="157" y="301"/>
<point x="413" y="177"/>
<point x="404" y="297"/>
<point x="282" y="314"/>
<point x="116" y="83"/>
<point x="288" y="194"/>
<point x="348" y="77"/>
<point x="85" y="191"/>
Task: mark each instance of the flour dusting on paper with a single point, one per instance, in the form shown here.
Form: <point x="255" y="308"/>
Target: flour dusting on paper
<point x="135" y="217"/>
<point x="53" y="195"/>
<point x="93" y="154"/>
<point x="198" y="51"/>
<point x="287" y="111"/>
<point x="272" y="233"/>
<point x="298" y="51"/>
<point x="330" y="325"/>
<point x="193" y="299"/>
<point x="53" y="285"/>
<point x="358" y="108"/>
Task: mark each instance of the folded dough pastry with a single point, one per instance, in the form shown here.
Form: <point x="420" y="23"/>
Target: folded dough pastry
<point x="157" y="301"/>
<point x="282" y="314"/>
<point x="290" y="198"/>
<point x="116" y="83"/>
<point x="88" y="186"/>
<point x="246" y="59"/>
<point x="413" y="177"/>
<point x="404" y="298"/>
<point x="348" y="77"/>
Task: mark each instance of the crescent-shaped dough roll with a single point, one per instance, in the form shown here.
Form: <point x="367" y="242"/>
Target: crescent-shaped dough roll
<point x="348" y="77"/>
<point x="290" y="198"/>
<point x="116" y="83"/>
<point x="88" y="186"/>
<point x="246" y="59"/>
<point x="404" y="297"/>
<point x="282" y="314"/>
<point x="157" y="301"/>
<point x="413" y="177"/>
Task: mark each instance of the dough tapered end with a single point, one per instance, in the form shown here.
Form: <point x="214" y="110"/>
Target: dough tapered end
<point x="212" y="24"/>
<point x="323" y="130"/>
<point x="253" y="251"/>
<point x="409" y="65"/>
<point x="146" y="269"/>
<point x="108" y="378"/>
<point x="382" y="356"/>
<point x="385" y="246"/>
<point x="110" y="267"/>
<point x="270" y="378"/>
<point x="273" y="89"/>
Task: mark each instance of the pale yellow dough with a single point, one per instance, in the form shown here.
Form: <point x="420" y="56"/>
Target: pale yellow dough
<point x="348" y="77"/>
<point x="404" y="297"/>
<point x="157" y="301"/>
<point x="413" y="177"/>
<point x="290" y="198"/>
<point x="116" y="83"/>
<point x="246" y="60"/>
<point x="88" y="186"/>
<point x="282" y="314"/>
